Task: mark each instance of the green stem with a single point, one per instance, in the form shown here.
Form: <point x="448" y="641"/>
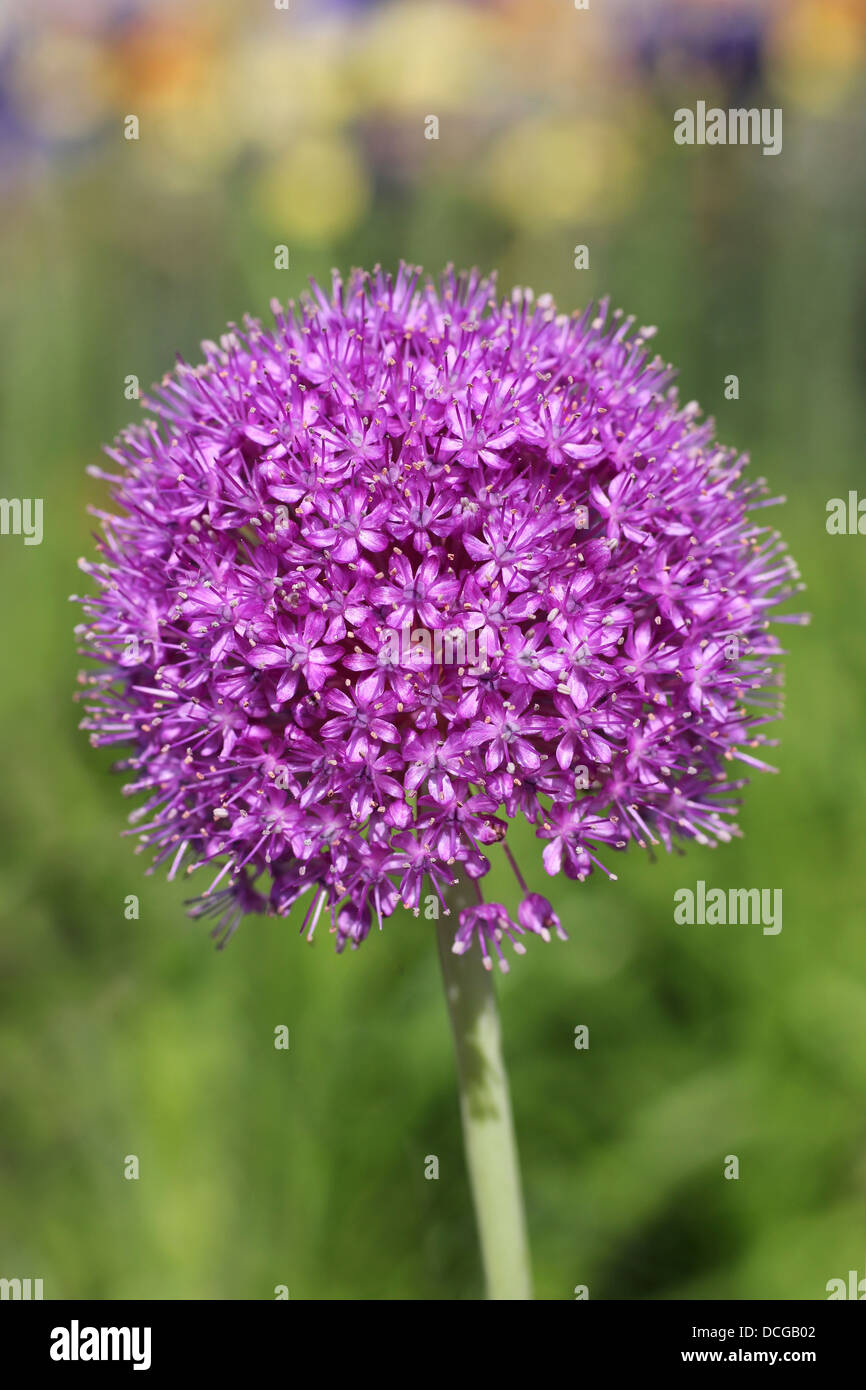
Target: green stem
<point x="485" y="1109"/>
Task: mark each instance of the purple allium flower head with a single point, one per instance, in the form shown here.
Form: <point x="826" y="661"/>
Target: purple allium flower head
<point x="406" y="566"/>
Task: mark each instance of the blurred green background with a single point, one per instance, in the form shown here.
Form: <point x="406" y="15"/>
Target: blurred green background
<point x="259" y="1167"/>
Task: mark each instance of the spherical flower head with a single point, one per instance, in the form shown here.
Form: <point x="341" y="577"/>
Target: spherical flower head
<point x="409" y="565"/>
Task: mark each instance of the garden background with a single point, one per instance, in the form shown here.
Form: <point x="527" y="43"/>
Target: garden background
<point x="262" y="127"/>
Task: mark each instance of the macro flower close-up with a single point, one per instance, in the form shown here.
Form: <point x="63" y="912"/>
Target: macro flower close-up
<point x="414" y="562"/>
<point x="431" y="539"/>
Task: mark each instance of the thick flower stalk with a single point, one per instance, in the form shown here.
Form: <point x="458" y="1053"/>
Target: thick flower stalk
<point x="411" y="564"/>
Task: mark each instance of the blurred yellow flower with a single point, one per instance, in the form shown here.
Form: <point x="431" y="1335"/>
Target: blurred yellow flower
<point x="296" y="82"/>
<point x="317" y="188"/>
<point x="558" y="169"/>
<point x="545" y="45"/>
<point x="428" y="57"/>
<point x="819" y="51"/>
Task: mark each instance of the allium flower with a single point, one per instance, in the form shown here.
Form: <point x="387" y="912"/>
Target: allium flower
<point x="405" y="456"/>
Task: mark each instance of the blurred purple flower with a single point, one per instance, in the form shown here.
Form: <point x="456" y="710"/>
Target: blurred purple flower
<point x="724" y="41"/>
